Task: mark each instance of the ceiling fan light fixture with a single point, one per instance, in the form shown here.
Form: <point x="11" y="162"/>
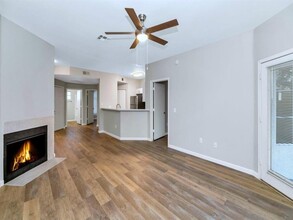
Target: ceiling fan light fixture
<point x="142" y="37"/>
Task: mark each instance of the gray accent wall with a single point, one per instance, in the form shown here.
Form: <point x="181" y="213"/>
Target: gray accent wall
<point x="212" y="91"/>
<point x="1" y="124"/>
<point x="272" y="37"/>
<point x="275" y="35"/>
<point x="27" y="74"/>
<point x="26" y="79"/>
<point x="112" y="122"/>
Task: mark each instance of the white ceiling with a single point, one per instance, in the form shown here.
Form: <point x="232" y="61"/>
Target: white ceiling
<point x="73" y="26"/>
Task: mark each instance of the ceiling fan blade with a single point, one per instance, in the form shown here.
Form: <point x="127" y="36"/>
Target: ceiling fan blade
<point x="134" y="18"/>
<point x="134" y="44"/>
<point x="119" y="33"/>
<point x="157" y="39"/>
<point x="162" y="26"/>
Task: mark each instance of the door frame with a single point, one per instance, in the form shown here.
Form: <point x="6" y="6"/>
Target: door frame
<point x="264" y="122"/>
<point x="86" y="93"/>
<point x="81" y="91"/>
<point x="66" y="91"/>
<point x="65" y="106"/>
<point x="151" y="137"/>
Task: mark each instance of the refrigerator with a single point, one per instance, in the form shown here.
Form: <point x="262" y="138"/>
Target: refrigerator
<point x="133" y="102"/>
<point x="136" y="102"/>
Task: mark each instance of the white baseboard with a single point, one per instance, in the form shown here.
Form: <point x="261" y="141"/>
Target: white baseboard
<point x="125" y="138"/>
<point x="1" y="183"/>
<point x="110" y="134"/>
<point x="214" y="160"/>
<point x="134" y="138"/>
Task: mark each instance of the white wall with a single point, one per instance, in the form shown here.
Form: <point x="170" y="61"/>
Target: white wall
<point x="108" y="86"/>
<point x="27" y="80"/>
<point x="212" y="89"/>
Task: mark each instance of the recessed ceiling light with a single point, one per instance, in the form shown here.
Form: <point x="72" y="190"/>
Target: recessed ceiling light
<point x="138" y="74"/>
<point x="55" y="61"/>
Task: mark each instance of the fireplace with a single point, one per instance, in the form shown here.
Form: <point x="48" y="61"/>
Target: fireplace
<point x="24" y="150"/>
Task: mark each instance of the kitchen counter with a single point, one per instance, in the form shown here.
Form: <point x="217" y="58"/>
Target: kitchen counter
<point x="125" y="124"/>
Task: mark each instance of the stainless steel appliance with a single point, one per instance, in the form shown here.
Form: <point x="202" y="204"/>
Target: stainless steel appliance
<point x="133" y="102"/>
<point x="136" y="102"/>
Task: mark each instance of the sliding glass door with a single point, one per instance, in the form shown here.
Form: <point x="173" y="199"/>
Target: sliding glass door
<point x="276" y="123"/>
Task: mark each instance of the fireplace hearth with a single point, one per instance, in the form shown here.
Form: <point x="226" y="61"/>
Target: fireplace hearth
<point x="24" y="150"/>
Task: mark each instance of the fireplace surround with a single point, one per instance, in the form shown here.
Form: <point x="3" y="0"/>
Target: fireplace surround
<point x="24" y="150"/>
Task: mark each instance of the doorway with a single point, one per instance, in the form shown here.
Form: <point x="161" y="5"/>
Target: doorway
<point x="121" y="99"/>
<point x="91" y="105"/>
<point x="159" y="105"/>
<point x="74" y="105"/>
<point x="276" y="122"/>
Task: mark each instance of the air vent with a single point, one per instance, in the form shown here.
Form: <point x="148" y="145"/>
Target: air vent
<point x="86" y="73"/>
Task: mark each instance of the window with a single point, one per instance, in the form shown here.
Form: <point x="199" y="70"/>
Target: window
<point x="69" y="95"/>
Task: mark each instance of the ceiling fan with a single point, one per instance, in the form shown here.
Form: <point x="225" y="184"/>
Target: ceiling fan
<point x="142" y="33"/>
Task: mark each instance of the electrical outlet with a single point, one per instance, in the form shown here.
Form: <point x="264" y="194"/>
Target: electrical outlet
<point x="215" y="145"/>
<point x="174" y="110"/>
<point x="200" y="140"/>
<point x="115" y="126"/>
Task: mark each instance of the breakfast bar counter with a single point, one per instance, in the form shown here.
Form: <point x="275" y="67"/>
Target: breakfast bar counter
<point x="125" y="124"/>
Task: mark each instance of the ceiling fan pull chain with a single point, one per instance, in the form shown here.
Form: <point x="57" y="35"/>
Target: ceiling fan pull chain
<point x="147" y="56"/>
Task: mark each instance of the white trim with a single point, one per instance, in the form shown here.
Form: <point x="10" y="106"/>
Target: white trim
<point x="1" y="183"/>
<point x="125" y="138"/>
<point x="151" y="138"/>
<point x="65" y="106"/>
<point x="217" y="161"/>
<point x="259" y="130"/>
<point x="86" y="107"/>
<point x="264" y="136"/>
<point x="134" y="138"/>
<point x="81" y="107"/>
<point x="110" y="134"/>
<point x="276" y="56"/>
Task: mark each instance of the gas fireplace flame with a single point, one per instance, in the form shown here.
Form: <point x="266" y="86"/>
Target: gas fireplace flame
<point x="23" y="155"/>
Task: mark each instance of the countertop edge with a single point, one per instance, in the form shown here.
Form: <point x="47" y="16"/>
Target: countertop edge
<point x="125" y="110"/>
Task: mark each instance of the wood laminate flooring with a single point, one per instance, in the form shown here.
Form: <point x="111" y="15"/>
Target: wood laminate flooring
<point x="103" y="178"/>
